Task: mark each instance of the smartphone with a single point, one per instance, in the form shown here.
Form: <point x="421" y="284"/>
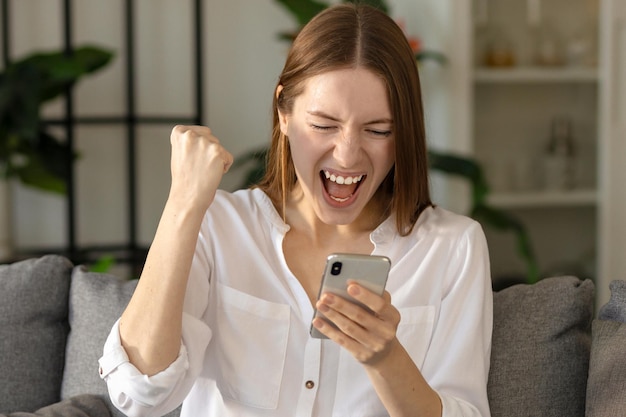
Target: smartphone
<point x="370" y="271"/>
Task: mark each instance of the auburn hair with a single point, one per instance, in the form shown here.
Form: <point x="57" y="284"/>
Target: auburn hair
<point x="349" y="36"/>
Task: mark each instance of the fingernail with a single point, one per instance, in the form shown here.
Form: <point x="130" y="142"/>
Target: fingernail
<point x="354" y="290"/>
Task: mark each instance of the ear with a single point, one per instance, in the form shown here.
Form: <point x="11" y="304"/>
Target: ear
<point x="282" y="118"/>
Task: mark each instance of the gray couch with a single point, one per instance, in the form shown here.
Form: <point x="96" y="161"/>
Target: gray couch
<point x="550" y="356"/>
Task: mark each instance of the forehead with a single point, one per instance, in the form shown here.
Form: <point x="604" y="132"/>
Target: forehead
<point x="346" y="89"/>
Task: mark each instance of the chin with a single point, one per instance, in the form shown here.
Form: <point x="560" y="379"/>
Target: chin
<point x="338" y="216"/>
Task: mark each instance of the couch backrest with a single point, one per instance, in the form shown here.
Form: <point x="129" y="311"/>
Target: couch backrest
<point x="33" y="332"/>
<point x="540" y="349"/>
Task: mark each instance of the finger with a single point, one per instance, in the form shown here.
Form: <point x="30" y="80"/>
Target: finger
<point x="357" y="349"/>
<point x="355" y="321"/>
<point x="376" y="303"/>
<point x="180" y="131"/>
<point x="329" y="329"/>
<point x="228" y="161"/>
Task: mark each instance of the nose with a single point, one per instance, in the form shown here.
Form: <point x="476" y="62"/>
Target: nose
<point x="347" y="148"/>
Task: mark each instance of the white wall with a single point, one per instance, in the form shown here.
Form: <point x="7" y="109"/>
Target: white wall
<point x="243" y="58"/>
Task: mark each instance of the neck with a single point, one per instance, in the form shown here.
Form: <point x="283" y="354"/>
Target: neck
<point x="302" y="218"/>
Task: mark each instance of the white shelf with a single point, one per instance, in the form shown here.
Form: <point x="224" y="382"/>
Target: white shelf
<point x="542" y="199"/>
<point x="535" y="75"/>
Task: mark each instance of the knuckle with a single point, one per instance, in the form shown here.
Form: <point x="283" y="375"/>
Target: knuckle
<point x="360" y="316"/>
<point x="388" y="337"/>
<point x="179" y="130"/>
<point x="349" y="328"/>
<point x="378" y="347"/>
<point x="395" y="317"/>
<point x="364" y="356"/>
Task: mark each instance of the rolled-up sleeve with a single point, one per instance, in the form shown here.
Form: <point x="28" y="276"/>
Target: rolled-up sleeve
<point x="136" y="394"/>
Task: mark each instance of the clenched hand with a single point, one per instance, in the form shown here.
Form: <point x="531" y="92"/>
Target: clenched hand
<point x="198" y="164"/>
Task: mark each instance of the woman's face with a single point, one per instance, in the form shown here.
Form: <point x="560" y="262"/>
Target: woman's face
<point x="341" y="137"/>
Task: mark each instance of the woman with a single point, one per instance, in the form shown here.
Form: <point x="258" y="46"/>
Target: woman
<point x="220" y="318"/>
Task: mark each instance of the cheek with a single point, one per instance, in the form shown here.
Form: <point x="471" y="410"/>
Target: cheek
<point x="386" y="156"/>
<point x="303" y="140"/>
<point x="302" y="147"/>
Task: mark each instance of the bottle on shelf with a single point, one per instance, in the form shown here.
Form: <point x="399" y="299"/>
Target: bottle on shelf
<point x="499" y="49"/>
<point x="548" y="46"/>
<point x="560" y="157"/>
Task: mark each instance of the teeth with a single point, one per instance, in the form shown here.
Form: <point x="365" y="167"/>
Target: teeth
<point x="341" y="200"/>
<point x="342" y="180"/>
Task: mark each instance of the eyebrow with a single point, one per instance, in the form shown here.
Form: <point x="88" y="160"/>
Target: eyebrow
<point x="334" y="119"/>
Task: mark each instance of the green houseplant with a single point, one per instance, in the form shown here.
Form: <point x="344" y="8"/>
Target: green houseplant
<point x="456" y="165"/>
<point x="28" y="150"/>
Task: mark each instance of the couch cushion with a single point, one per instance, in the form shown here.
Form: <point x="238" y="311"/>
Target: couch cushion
<point x="540" y="351"/>
<point x="33" y="331"/>
<point x="615" y="308"/>
<point x="607" y="368"/>
<point x="80" y="406"/>
<point x="96" y="301"/>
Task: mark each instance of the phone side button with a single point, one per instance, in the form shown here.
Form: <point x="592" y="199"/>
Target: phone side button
<point x="309" y="384"/>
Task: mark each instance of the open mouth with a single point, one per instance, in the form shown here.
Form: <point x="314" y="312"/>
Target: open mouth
<point x="340" y="188"/>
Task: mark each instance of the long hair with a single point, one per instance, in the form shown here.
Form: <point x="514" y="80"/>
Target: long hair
<point x="350" y="36"/>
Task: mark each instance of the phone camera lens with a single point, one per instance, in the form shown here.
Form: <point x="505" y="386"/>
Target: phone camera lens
<point x="335" y="269"/>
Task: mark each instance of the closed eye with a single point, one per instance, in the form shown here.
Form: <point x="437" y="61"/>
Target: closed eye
<point x="322" y="128"/>
<point x="381" y="133"/>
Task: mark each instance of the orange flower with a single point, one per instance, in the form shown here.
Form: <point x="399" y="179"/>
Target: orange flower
<point x="414" y="43"/>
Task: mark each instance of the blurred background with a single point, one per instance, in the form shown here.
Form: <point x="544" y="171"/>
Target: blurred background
<point x="532" y="90"/>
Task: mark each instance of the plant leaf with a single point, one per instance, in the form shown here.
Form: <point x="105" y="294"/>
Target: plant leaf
<point x="55" y="156"/>
<point x="426" y="54"/>
<point x="27" y="151"/>
<point x="257" y="156"/>
<point x="35" y="174"/>
<point x="303" y="10"/>
<point x="60" y="70"/>
<point x="19" y="102"/>
<point x="504" y="221"/>
<point x="103" y="264"/>
<point x="462" y="166"/>
<point x="256" y="160"/>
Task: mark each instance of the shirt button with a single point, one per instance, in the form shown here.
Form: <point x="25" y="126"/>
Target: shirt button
<point x="309" y="384"/>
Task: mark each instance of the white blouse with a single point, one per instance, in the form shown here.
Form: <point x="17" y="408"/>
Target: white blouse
<point x="246" y="349"/>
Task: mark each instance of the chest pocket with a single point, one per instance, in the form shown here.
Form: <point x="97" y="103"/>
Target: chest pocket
<point x="249" y="373"/>
<point x="414" y="333"/>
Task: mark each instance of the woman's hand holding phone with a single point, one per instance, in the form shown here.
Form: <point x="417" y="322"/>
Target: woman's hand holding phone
<point x="367" y="335"/>
<point x="356" y="312"/>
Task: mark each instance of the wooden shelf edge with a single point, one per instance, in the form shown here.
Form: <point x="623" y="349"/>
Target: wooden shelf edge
<point x="539" y="199"/>
<point x="535" y="75"/>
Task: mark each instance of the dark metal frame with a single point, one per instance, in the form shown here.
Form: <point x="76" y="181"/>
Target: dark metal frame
<point x="130" y="252"/>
